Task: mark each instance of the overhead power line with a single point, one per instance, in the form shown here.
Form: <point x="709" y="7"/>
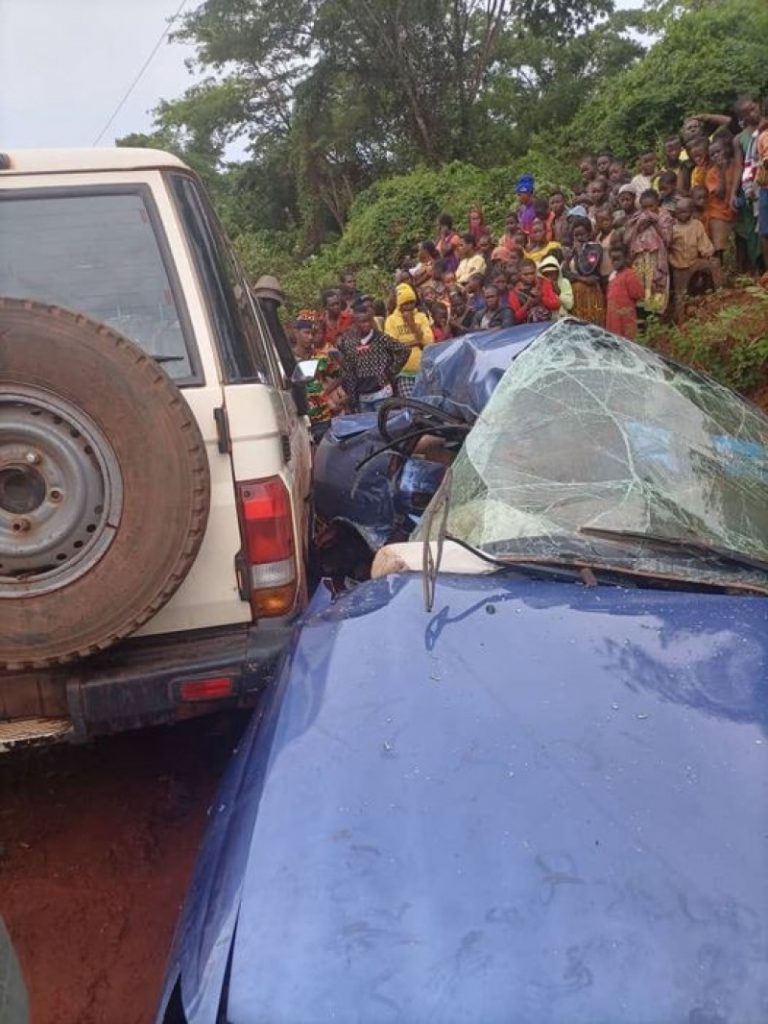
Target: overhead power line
<point x="138" y="77"/>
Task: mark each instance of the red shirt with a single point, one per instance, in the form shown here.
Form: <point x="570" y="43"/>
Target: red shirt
<point x="548" y="298"/>
<point x="625" y="289"/>
<point x="333" y="328"/>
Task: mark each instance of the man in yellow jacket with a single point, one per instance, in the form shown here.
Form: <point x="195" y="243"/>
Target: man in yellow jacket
<point x="410" y="327"/>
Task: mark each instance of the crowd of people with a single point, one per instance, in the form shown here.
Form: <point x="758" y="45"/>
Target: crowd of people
<point x="621" y="247"/>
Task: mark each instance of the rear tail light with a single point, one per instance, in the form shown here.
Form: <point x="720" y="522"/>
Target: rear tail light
<point x="268" y="546"/>
<point x="207" y="689"/>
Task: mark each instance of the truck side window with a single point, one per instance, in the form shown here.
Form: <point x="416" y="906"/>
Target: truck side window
<point x="243" y="353"/>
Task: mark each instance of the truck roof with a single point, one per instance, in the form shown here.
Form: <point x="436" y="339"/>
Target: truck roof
<point x="113" y="158"/>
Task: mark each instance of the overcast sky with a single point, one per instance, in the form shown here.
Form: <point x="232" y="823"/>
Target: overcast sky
<point x="66" y="64"/>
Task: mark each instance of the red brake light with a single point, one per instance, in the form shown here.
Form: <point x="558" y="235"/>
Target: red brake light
<point x="207" y="689"/>
<point x="268" y="545"/>
<point x="266" y="511"/>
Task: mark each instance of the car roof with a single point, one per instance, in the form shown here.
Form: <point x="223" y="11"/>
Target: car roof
<point x="113" y="158"/>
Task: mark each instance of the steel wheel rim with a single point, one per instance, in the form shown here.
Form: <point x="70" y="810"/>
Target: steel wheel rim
<point x="61" y="492"/>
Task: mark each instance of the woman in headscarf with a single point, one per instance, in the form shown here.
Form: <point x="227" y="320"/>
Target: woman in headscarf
<point x="525" y="190"/>
<point x="410" y="327"/>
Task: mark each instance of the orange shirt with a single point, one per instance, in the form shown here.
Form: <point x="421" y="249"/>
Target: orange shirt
<point x="717" y="208"/>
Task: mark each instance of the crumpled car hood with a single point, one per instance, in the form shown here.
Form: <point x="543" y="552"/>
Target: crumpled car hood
<point x="538" y="803"/>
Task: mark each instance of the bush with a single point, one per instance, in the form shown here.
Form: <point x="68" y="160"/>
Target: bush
<point x="725" y="334"/>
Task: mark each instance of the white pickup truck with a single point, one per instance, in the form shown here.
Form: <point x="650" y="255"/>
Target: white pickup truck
<point x="154" y="454"/>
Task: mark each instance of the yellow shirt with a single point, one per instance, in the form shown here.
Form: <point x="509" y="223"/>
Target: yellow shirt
<point x="699" y="177"/>
<point x="537" y="255"/>
<point x="398" y="329"/>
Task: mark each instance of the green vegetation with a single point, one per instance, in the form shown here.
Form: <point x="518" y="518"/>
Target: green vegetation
<point x="365" y="119"/>
<point x="726" y="335"/>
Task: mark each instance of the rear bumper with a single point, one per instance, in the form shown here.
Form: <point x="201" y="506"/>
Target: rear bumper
<point x="138" y="682"/>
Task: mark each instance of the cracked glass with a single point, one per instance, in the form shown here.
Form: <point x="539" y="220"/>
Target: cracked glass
<point x="597" y="451"/>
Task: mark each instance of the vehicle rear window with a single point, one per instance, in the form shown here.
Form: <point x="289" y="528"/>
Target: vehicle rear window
<point x="98" y="254"/>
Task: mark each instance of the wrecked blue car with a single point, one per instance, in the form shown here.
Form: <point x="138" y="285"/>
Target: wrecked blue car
<point x="374" y="474"/>
<point x="520" y="776"/>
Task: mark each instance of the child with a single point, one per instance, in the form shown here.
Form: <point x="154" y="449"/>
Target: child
<point x="604" y="234"/>
<point x="647" y="167"/>
<point x="677" y="160"/>
<point x="617" y="176"/>
<point x="603" y="162"/>
<point x="627" y="200"/>
<point x="509" y="238"/>
<point x="500" y="280"/>
<point x="550" y="269"/>
<point x="474" y="292"/>
<point x="440" y="327"/>
<point x="668" y="190"/>
<point x="699" y="152"/>
<point x="587" y="168"/>
<point x="533" y="298"/>
<point x="556" y="221"/>
<point x="690" y="254"/>
<point x="596" y="195"/>
<point x="699" y="203"/>
<point x="647" y="233"/>
<point x="721" y="182"/>
<point x="581" y="266"/>
<point x="625" y="289"/>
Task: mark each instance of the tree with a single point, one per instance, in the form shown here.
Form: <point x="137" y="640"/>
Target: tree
<point x="348" y="90"/>
<point x="707" y="53"/>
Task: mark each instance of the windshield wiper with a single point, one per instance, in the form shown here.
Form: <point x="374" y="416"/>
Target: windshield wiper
<point x="166" y="359"/>
<point x="692" y="545"/>
<point x="430" y="564"/>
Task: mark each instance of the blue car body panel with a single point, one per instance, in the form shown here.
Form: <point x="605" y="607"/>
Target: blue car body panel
<point x="459" y="377"/>
<point x="538" y="803"/>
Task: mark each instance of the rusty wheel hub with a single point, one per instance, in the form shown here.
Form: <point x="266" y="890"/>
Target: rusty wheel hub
<point x="60" y="492"/>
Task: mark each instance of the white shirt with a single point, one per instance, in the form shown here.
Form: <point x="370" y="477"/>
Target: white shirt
<point x="470" y="265"/>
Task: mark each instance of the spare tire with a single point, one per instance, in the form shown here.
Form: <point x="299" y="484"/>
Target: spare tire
<point x="104" y="486"/>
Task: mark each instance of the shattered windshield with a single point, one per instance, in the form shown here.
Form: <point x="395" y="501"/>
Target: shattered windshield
<point x="596" y="450"/>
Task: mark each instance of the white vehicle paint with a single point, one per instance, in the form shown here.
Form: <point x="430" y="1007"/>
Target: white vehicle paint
<point x="232" y="366"/>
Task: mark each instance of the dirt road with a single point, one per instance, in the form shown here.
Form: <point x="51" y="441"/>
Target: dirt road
<point x="97" y="844"/>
